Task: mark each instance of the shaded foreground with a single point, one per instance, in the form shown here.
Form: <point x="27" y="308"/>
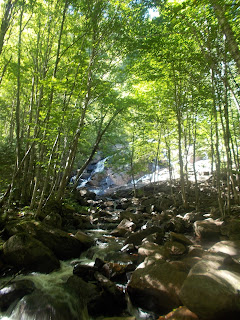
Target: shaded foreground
<point x="145" y="253"/>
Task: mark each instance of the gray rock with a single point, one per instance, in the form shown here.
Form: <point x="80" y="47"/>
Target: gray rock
<point x="208" y="229"/>
<point x="211" y="289"/>
<point x="25" y="252"/>
<point x="156" y="286"/>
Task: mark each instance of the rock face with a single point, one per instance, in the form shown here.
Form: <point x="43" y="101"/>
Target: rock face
<point x="25" y="252"/>
<point x="211" y="289"/>
<point x="156" y="286"/>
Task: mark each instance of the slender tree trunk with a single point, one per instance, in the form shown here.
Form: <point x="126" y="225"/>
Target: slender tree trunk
<point x="232" y="44"/>
<point x="218" y="160"/>
<point x="95" y="147"/>
<point x="7" y="15"/>
<point x="196" y="188"/>
<point x="73" y="148"/>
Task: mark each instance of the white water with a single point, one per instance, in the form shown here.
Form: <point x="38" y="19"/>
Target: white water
<point x="99" y="168"/>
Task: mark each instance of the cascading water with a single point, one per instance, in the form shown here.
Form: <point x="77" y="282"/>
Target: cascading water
<point x="51" y="298"/>
<point x="99" y="167"/>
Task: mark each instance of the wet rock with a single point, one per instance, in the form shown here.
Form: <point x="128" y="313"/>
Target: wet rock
<point x="129" y="248"/>
<point x="124" y="227"/>
<point x="85" y="239"/>
<point x="208" y="229"/>
<point x="211" y="289"/>
<point x="86" y="272"/>
<point x="14" y="291"/>
<point x="114" y="271"/>
<point x="41" y="306"/>
<point x="24" y="251"/>
<point x="181" y="313"/>
<point x="156" y="286"/>
<point x="110" y="301"/>
<point x="63" y="244"/>
<point x="137" y="237"/>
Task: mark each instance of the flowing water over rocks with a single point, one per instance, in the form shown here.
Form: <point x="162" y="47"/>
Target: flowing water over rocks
<point x="120" y="256"/>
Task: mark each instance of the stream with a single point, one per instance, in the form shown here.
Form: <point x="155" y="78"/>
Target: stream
<point x="52" y="286"/>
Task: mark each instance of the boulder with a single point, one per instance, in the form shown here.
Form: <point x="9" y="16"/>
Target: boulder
<point x="181" y="313"/>
<point x="14" y="291"/>
<point x="25" y="252"/>
<point x="232" y="248"/>
<point x="176" y="224"/>
<point x="85" y="239"/>
<point x="137" y="237"/>
<point x="63" y="244"/>
<point x="114" y="297"/>
<point x="154" y="250"/>
<point x="180" y="238"/>
<point x="114" y="271"/>
<point x="208" y="229"/>
<point x="86" y="272"/>
<point x="124" y="227"/>
<point x="156" y="286"/>
<point x="132" y="216"/>
<point x="231" y="229"/>
<point x="42" y="306"/>
<point x="174" y="248"/>
<point x="211" y="289"/>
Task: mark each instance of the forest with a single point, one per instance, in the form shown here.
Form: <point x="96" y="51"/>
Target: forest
<point x="143" y="85"/>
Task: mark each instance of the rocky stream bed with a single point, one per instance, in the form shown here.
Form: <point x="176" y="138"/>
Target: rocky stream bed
<point x="122" y="257"/>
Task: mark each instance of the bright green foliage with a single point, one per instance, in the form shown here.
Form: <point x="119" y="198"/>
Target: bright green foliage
<point x="105" y="72"/>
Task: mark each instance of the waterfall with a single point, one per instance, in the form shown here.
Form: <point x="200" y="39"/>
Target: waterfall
<point x="99" y="167"/>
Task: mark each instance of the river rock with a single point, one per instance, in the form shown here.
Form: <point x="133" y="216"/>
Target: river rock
<point x="86" y="272"/>
<point x="181" y="313"/>
<point x="137" y="237"/>
<point x="211" y="289"/>
<point x="180" y="238"/>
<point x="176" y="224"/>
<point x="231" y="248"/>
<point x="208" y="229"/>
<point x="14" y="291"/>
<point x="154" y="250"/>
<point x="63" y="244"/>
<point x="174" y="248"/>
<point x="85" y="239"/>
<point x="124" y="227"/>
<point x="110" y="301"/>
<point x="24" y="251"/>
<point x="42" y="306"/>
<point x="231" y="229"/>
<point x="156" y="286"/>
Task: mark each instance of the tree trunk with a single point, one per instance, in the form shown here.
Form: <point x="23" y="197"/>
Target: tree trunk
<point x="7" y="15"/>
<point x="232" y="44"/>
